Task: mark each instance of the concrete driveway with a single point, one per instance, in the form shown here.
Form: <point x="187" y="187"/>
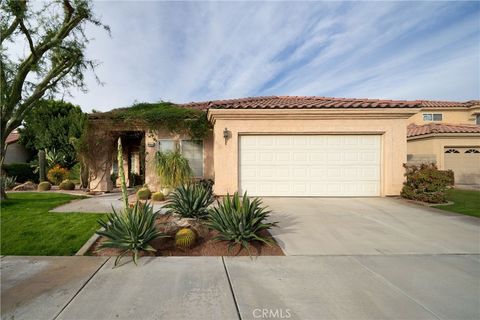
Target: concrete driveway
<point x="370" y="226"/>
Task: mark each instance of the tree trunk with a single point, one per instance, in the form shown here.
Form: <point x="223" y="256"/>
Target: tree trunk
<point x="3" y="151"/>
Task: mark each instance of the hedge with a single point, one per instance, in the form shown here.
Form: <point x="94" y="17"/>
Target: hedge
<point x="23" y="171"/>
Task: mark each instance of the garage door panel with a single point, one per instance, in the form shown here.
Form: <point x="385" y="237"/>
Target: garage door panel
<point x="310" y="165"/>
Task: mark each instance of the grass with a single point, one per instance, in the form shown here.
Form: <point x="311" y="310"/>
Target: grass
<point x="29" y="229"/>
<point x="465" y="202"/>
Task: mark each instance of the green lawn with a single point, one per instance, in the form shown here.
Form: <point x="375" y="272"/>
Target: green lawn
<point x="465" y="202"/>
<point x="29" y="229"/>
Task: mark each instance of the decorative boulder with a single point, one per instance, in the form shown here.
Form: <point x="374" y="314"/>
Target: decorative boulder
<point x="27" y="186"/>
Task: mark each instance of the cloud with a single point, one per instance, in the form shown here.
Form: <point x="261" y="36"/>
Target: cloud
<point x="195" y="51"/>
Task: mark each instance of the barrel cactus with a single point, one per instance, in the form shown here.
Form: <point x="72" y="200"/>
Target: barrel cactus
<point x="66" y="185"/>
<point x="158" y="196"/>
<point x="185" y="238"/>
<point x="144" y="194"/>
<point x="44" y="186"/>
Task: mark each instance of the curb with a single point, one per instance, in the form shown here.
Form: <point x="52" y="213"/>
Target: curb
<point x="87" y="245"/>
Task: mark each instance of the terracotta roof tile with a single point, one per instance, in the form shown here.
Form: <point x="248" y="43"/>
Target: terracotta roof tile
<point x="14" y="136"/>
<point x="414" y="130"/>
<point x="300" y="102"/>
<point x="294" y="102"/>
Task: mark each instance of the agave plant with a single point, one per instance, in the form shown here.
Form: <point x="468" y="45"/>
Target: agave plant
<point x="240" y="221"/>
<point x="7" y="182"/>
<point x="190" y="201"/>
<point x="173" y="168"/>
<point x="130" y="230"/>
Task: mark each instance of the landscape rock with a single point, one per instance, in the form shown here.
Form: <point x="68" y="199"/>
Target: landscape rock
<point x="27" y="186"/>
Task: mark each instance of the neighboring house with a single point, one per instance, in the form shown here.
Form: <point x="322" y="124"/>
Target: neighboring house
<point x="16" y="153"/>
<point x="448" y="134"/>
<point x="293" y="146"/>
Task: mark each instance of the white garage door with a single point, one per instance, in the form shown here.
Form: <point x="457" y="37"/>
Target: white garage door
<point x="310" y="165"/>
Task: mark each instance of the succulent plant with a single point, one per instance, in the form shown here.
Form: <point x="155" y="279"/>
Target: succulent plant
<point x="41" y="165"/>
<point x="67" y="185"/>
<point x="190" y="201"/>
<point x="144" y="194"/>
<point x="158" y="196"/>
<point x="185" y="238"/>
<point x="44" y="186"/>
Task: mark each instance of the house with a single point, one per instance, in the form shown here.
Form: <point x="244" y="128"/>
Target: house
<point x="293" y="146"/>
<point x="16" y="152"/>
<point x="448" y="134"/>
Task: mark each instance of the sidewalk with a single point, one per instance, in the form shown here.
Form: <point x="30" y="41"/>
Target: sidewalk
<point x="297" y="287"/>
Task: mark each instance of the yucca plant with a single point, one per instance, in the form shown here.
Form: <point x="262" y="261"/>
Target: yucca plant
<point x="173" y="168"/>
<point x="240" y="221"/>
<point x="130" y="230"/>
<point x="190" y="201"/>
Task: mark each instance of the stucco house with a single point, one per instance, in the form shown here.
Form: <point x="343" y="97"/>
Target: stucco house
<point x="296" y="146"/>
<point x="448" y="134"/>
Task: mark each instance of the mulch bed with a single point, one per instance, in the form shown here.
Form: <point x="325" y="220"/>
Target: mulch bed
<point x="204" y="246"/>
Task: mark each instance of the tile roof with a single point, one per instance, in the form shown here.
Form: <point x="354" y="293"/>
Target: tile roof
<point x="294" y="102"/>
<point x="298" y="102"/>
<point x="14" y="136"/>
<point x="448" y="104"/>
<point x="414" y="130"/>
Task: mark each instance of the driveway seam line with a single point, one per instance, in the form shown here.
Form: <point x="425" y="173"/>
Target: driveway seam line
<point x="80" y="289"/>
<point x="231" y="288"/>
<point x="396" y="288"/>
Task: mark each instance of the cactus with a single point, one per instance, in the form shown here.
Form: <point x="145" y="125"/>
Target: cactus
<point x="144" y="194"/>
<point x="41" y="165"/>
<point x="44" y="186"/>
<point x="121" y="174"/>
<point x="185" y="238"/>
<point x="67" y="185"/>
<point x="158" y="196"/>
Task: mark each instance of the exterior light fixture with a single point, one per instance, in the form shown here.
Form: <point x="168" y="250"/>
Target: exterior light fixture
<point x="226" y="135"/>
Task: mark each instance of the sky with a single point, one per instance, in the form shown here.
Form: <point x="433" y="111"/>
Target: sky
<point x="200" y="51"/>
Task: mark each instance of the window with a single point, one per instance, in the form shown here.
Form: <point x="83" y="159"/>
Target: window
<point x="452" y="151"/>
<point x="192" y="150"/>
<point x="432" y="117"/>
<point x="477" y="119"/>
<point x="472" y="151"/>
<point x="165" y="145"/>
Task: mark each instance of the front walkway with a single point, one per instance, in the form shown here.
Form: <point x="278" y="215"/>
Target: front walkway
<point x="300" y="287"/>
<point x="97" y="204"/>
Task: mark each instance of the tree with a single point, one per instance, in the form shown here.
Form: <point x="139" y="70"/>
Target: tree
<point x="54" y="33"/>
<point x="51" y="125"/>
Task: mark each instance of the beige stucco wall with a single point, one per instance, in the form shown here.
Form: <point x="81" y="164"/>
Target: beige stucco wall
<point x="390" y="124"/>
<point x="151" y="138"/>
<point x="460" y="116"/>
<point x="435" y="145"/>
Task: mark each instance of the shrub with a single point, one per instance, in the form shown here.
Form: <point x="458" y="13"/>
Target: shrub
<point x="114" y="177"/>
<point x="190" y="201"/>
<point x="240" y="221"/>
<point x="23" y="171"/>
<point x="67" y="185"/>
<point x="44" y="186"/>
<point x="144" y="193"/>
<point x="173" y="168"/>
<point x="158" y="196"/>
<point x="130" y="231"/>
<point x="7" y="182"/>
<point x="185" y="238"/>
<point x="206" y="183"/>
<point x="135" y="179"/>
<point x="426" y="183"/>
<point x="57" y="174"/>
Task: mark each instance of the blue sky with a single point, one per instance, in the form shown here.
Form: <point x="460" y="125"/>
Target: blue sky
<point x="197" y="51"/>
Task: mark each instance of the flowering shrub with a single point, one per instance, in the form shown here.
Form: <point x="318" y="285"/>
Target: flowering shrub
<point x="57" y="174"/>
<point x="426" y="183"/>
